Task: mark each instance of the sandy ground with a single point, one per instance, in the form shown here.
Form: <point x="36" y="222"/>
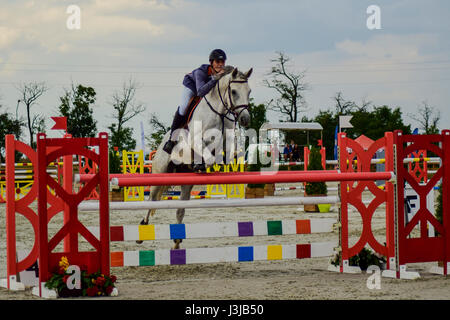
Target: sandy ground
<point x="264" y="280"/>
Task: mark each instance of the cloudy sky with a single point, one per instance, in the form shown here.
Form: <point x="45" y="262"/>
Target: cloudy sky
<point x="155" y="42"/>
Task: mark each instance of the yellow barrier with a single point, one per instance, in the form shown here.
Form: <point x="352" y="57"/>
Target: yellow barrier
<point x="228" y="190"/>
<point x="133" y="164"/>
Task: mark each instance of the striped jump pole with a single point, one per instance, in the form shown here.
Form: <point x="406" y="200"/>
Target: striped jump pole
<point x="223" y="254"/>
<point x="220" y="230"/>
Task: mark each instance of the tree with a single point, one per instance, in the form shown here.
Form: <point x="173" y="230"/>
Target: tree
<point x="374" y="124"/>
<point x="342" y="106"/>
<point x="159" y="129"/>
<point x="8" y="125"/>
<point x="257" y="115"/>
<point x="315" y="163"/>
<point x="76" y="106"/>
<point x="290" y="87"/>
<point x="372" y="121"/>
<point x="125" y="109"/>
<point x="428" y="118"/>
<point x="29" y="93"/>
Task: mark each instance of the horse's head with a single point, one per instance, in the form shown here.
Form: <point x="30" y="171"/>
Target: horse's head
<point x="238" y="95"/>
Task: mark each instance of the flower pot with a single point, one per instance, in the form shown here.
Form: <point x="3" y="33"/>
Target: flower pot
<point x="116" y="195"/>
<point x="254" y="193"/>
<point x="249" y="193"/>
<point x="325" y="207"/>
<point x="259" y="192"/>
<point x="312" y="207"/>
<point x="269" y="189"/>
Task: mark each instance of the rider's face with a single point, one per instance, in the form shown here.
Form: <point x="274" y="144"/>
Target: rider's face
<point x="218" y="65"/>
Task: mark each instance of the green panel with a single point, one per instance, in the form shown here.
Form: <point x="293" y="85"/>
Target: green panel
<point x="274" y="228"/>
<point x="147" y="258"/>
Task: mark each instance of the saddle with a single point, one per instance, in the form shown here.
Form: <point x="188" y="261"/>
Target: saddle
<point x="192" y="105"/>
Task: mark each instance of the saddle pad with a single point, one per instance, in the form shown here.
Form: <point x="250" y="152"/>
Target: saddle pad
<point x="192" y="106"/>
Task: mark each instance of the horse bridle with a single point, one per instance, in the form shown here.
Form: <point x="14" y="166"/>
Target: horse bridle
<point x="232" y="110"/>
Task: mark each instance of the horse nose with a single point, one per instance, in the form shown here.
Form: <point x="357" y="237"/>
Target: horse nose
<point x="244" y="120"/>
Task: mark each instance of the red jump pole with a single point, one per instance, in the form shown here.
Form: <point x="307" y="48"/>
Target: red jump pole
<point x="167" y="179"/>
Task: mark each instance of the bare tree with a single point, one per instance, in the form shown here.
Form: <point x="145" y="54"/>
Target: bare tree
<point x="344" y="106"/>
<point x="290" y="87"/>
<point x="29" y="93"/>
<point x="159" y="129"/>
<point x="428" y="118"/>
<point x="125" y="109"/>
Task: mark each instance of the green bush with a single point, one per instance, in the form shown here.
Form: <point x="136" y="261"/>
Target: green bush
<point x="363" y="259"/>
<point x="114" y="162"/>
<point x="315" y="163"/>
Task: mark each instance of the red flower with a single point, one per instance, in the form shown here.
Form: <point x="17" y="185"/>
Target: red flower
<point x="100" y="281"/>
<point x="61" y="271"/>
<point x="65" y="278"/>
<point x="92" y="292"/>
<point x="113" y="279"/>
<point x="109" y="289"/>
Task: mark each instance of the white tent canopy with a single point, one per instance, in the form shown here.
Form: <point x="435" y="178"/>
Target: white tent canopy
<point x="297" y="126"/>
<point x="294" y="126"/>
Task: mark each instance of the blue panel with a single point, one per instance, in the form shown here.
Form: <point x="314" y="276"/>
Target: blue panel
<point x="245" y="254"/>
<point x="177" y="231"/>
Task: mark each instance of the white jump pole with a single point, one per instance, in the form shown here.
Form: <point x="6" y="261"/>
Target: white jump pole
<point x="219" y="203"/>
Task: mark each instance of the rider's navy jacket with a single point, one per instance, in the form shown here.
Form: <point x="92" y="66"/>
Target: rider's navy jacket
<point x="200" y="81"/>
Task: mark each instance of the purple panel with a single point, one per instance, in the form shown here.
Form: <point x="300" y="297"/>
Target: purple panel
<point x="178" y="256"/>
<point x="245" y="229"/>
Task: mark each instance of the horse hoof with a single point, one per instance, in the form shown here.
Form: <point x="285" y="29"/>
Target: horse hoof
<point x="143" y="222"/>
<point x="200" y="168"/>
<point x="139" y="241"/>
<point x="177" y="243"/>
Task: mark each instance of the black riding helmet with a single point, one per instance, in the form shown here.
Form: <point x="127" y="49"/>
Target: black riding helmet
<point x="217" y="54"/>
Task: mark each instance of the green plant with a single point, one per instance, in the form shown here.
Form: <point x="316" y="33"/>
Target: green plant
<point x="114" y="161"/>
<point x="315" y="163"/>
<point x="363" y="259"/>
<point x="92" y="284"/>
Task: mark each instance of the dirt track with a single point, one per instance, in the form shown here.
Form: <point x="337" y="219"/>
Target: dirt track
<point x="263" y="280"/>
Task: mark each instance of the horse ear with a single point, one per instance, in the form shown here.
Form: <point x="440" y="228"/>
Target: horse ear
<point x="235" y="73"/>
<point x="249" y="73"/>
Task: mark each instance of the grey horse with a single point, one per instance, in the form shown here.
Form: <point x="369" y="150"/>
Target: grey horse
<point x="216" y="114"/>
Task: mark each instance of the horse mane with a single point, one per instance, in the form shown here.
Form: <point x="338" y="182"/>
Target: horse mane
<point x="229" y="69"/>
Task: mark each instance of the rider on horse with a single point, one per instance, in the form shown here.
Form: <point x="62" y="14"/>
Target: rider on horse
<point x="197" y="84"/>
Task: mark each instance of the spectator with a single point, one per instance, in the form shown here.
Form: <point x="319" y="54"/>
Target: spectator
<point x="287" y="152"/>
<point x="296" y="153"/>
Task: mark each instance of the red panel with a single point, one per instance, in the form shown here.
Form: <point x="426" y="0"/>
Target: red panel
<point x="116" y="259"/>
<point x="97" y="260"/>
<point x="354" y="158"/>
<point x="422" y="248"/>
<point x="116" y="233"/>
<point x="303" y="251"/>
<point x="303" y="226"/>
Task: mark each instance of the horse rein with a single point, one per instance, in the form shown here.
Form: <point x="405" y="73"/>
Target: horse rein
<point x="232" y="110"/>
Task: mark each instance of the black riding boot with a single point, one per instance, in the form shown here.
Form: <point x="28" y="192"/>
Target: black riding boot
<point x="178" y="121"/>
